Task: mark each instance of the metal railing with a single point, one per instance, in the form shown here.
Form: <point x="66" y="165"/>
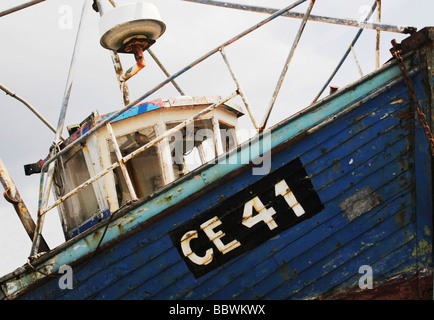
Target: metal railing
<point x="46" y="184"/>
<point x="45" y="187"/>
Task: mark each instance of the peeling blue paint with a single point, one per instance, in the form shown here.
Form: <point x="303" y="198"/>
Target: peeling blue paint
<point x="355" y="139"/>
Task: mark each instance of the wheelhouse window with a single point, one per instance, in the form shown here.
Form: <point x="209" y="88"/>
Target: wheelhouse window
<point x="192" y="146"/>
<point x="71" y="171"/>
<point x="200" y="142"/>
<point x="144" y="169"/>
<point x="228" y="137"/>
<point x="197" y="144"/>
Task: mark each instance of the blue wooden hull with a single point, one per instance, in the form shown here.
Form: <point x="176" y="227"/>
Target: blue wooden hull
<point x="366" y="159"/>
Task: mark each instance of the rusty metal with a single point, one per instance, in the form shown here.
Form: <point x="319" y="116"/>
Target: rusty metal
<point x="119" y="72"/>
<point x="45" y="186"/>
<point x="333" y="89"/>
<point x="377" y="40"/>
<point x="240" y="91"/>
<point x="20" y="7"/>
<point x="121" y="162"/>
<point x="135" y="153"/>
<point x="116" y="61"/>
<point x="144" y="147"/>
<point x="135" y="47"/>
<point x="44" y="193"/>
<point x="285" y="68"/>
<point x="357" y="61"/>
<point x="297" y="15"/>
<point x="41" y="213"/>
<point x="71" y="73"/>
<point x="345" y="54"/>
<point x="140" y="63"/>
<point x="415" y="103"/>
<point x="12" y="195"/>
<point x="163" y="83"/>
<point x="180" y="126"/>
<point x="31" y="108"/>
<point x="43" y="210"/>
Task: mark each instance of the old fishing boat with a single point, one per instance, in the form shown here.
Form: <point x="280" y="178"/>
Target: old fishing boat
<point x="334" y="202"/>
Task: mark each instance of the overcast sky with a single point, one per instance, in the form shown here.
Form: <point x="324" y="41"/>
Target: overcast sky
<point x="35" y="54"/>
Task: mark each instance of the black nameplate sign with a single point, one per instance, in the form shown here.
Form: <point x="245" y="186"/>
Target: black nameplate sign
<point x="246" y="219"/>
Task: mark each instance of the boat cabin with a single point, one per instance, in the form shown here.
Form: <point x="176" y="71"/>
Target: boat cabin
<point x="142" y="175"/>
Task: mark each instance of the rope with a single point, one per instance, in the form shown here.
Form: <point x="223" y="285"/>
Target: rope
<point x="8" y="197"/>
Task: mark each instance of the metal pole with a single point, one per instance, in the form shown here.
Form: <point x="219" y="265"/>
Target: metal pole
<point x="345" y="55"/>
<point x="240" y="91"/>
<point x="165" y="71"/>
<point x="66" y="96"/>
<point x="12" y="195"/>
<point x="71" y="73"/>
<point x="112" y="3"/>
<point x="285" y="69"/>
<point x="377" y="42"/>
<point x="180" y="126"/>
<point x="53" y="157"/>
<point x="28" y="105"/>
<point x="357" y="61"/>
<point x="21" y="6"/>
<point x="297" y="15"/>
<point x="139" y="150"/>
<point x="118" y="67"/>
<point x="121" y="162"/>
<point x="163" y="83"/>
<point x="117" y="63"/>
<point x="45" y="192"/>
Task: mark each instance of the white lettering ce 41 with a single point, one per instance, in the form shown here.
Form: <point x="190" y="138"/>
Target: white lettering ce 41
<point x="249" y="220"/>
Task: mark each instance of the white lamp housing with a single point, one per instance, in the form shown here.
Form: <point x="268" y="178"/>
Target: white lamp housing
<point x="139" y="20"/>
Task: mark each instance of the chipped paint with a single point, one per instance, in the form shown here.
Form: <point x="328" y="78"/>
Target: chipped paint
<point x="322" y="254"/>
<point x="77" y="247"/>
<point x="396" y="101"/>
<point x="359" y="203"/>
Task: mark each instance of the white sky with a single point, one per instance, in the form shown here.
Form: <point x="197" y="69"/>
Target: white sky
<point x="35" y="54"/>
